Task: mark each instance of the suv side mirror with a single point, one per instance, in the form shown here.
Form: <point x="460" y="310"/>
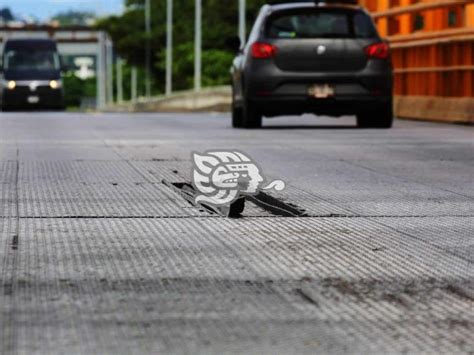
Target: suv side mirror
<point x="234" y="44"/>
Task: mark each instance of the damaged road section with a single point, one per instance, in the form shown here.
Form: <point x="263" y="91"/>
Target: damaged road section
<point x="367" y="250"/>
<point x="264" y="201"/>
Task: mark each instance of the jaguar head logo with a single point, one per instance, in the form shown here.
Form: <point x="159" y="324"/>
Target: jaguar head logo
<point x="221" y="177"/>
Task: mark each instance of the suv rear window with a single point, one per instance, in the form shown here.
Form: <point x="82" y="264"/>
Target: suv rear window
<point x="320" y="23"/>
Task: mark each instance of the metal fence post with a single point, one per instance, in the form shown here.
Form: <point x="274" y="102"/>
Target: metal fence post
<point x="110" y="71"/>
<point x="134" y="85"/>
<point x="101" y="71"/>
<point x="119" y="80"/>
<point x="169" y="47"/>
<point x="198" y="46"/>
<point x="242" y="22"/>
<point x="148" y="48"/>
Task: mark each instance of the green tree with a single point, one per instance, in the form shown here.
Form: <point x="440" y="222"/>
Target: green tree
<point x="76" y="89"/>
<point x="70" y="18"/>
<point x="220" y="21"/>
<point x="6" y="15"/>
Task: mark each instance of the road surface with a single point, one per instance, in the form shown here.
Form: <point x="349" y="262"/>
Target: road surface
<point x="99" y="256"/>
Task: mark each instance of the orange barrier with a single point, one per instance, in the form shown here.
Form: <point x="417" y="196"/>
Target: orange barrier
<point x="419" y="7"/>
<point x="443" y="67"/>
<point x="432" y="44"/>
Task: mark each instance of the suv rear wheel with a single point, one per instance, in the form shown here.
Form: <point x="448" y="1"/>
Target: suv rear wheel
<point x="376" y="118"/>
<point x="251" y="115"/>
<point x="236" y="116"/>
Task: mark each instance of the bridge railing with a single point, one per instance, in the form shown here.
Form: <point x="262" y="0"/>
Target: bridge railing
<point x="433" y="64"/>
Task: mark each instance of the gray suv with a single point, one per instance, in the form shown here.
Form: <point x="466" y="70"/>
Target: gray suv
<point x="312" y="57"/>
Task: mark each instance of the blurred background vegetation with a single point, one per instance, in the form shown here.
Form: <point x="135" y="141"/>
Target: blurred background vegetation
<point x="220" y="21"/>
<point x="76" y="89"/>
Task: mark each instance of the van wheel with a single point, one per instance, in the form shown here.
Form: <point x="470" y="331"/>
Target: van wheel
<point x="379" y="118"/>
<point x="251" y="115"/>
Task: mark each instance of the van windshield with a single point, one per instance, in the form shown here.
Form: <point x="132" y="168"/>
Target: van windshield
<point x="31" y="59"/>
<point x="320" y="23"/>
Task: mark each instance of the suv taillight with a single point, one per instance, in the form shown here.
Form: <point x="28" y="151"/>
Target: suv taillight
<point x="262" y="50"/>
<point x="378" y="50"/>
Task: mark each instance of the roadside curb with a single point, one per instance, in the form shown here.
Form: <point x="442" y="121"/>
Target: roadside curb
<point x="209" y="99"/>
<point x="438" y="109"/>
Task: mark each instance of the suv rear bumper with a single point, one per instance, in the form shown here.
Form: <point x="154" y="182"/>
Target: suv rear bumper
<point x="277" y="92"/>
<point x="334" y="106"/>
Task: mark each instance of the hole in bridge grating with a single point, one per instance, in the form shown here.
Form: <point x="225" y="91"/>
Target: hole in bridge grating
<point x="268" y="203"/>
<point x="276" y="206"/>
<point x="188" y="192"/>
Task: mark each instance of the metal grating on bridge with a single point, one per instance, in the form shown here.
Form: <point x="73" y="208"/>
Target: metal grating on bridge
<point x="97" y="285"/>
<point x="98" y="255"/>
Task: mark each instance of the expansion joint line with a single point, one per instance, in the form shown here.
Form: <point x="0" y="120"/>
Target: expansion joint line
<point x="9" y="284"/>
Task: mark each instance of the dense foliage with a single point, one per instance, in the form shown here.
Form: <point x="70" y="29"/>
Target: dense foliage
<point x="220" y="21"/>
<point x="76" y="89"/>
<point x="6" y="15"/>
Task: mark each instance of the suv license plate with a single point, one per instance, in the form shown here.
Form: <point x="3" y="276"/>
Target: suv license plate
<point x="321" y="91"/>
<point x="33" y="99"/>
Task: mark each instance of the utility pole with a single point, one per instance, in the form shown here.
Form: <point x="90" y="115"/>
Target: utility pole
<point x="242" y="22"/>
<point x="110" y="70"/>
<point x="198" y="46"/>
<point x="133" y="84"/>
<point x="119" y="80"/>
<point x="148" y="48"/>
<point x="101" y="71"/>
<point x="169" y="47"/>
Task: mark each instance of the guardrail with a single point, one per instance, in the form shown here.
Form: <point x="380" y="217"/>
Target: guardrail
<point x="419" y="7"/>
<point x="433" y="69"/>
<point x="438" y="67"/>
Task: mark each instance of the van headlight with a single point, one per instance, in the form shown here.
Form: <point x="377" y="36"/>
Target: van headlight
<point x="11" y="84"/>
<point x="55" y="84"/>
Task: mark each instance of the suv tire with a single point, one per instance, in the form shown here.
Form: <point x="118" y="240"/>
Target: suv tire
<point x="251" y="115"/>
<point x="378" y="118"/>
<point x="237" y="116"/>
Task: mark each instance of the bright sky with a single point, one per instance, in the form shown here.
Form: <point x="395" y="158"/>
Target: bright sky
<point x="44" y="9"/>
